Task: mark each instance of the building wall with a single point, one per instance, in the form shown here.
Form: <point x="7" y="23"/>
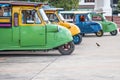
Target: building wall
<point x="103" y="6"/>
<point x="97" y="5"/>
<point x="87" y="4"/>
<point x="116" y="19"/>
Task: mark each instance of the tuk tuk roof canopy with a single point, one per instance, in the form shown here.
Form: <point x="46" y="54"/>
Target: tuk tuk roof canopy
<point x="52" y="10"/>
<point x="22" y="3"/>
<point x="75" y="12"/>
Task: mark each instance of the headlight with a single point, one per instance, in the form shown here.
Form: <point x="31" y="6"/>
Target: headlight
<point x="71" y="25"/>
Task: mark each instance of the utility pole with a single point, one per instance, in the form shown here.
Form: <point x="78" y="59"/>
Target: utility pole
<point x="112" y="10"/>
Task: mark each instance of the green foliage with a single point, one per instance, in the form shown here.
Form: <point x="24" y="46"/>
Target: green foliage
<point x="36" y="0"/>
<point x="118" y="6"/>
<point x="41" y="0"/>
<point x="66" y="4"/>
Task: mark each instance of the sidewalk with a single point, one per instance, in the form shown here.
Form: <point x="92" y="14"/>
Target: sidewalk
<point x="88" y="62"/>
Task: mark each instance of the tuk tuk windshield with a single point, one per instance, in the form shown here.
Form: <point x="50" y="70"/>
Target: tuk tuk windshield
<point x="68" y="17"/>
<point x="89" y="17"/>
<point x="61" y="17"/>
<point x="98" y="17"/>
<point x="44" y="16"/>
<point x="30" y="17"/>
<point x="104" y="18"/>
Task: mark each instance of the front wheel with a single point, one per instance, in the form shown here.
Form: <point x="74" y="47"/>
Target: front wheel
<point x="113" y="33"/>
<point x="77" y="39"/>
<point x="66" y="49"/>
<point x="99" y="33"/>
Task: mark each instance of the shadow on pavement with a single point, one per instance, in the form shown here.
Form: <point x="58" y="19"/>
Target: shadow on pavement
<point x="27" y="53"/>
<point x="94" y="36"/>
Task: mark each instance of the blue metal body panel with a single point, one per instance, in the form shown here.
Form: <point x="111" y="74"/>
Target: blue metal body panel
<point x="87" y="26"/>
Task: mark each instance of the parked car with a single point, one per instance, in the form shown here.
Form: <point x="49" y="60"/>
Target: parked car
<point x="55" y="17"/>
<point x="25" y="27"/>
<point x="107" y="26"/>
<point x="81" y="19"/>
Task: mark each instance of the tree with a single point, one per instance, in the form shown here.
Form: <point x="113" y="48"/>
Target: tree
<point x="118" y="6"/>
<point x="75" y="4"/>
<point x="40" y="0"/>
<point x="66" y="4"/>
<point x="36" y="0"/>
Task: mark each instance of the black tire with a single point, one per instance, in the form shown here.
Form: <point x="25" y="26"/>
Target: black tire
<point x="77" y="39"/>
<point x="99" y="33"/>
<point x="113" y="33"/>
<point x="83" y="34"/>
<point x="66" y="49"/>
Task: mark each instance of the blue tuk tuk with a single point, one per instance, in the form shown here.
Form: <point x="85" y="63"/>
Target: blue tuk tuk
<point x="82" y="20"/>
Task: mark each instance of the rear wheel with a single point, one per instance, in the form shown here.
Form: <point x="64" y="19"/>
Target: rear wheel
<point x="77" y="39"/>
<point x="66" y="49"/>
<point x="99" y="33"/>
<point x="83" y="34"/>
<point x="113" y="33"/>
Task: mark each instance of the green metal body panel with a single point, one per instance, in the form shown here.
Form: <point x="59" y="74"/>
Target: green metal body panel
<point x="5" y="37"/>
<point x="58" y="37"/>
<point x="33" y="38"/>
<point x="108" y="26"/>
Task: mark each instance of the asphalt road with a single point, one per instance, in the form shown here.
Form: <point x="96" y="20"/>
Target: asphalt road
<point x="88" y="62"/>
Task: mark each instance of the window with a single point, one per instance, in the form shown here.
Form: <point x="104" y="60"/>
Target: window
<point x="30" y="17"/>
<point x="97" y="18"/>
<point x="115" y="1"/>
<point x="61" y="17"/>
<point x="45" y="18"/>
<point x="5" y="16"/>
<point x="69" y="17"/>
<point x="5" y="10"/>
<point x="89" y="0"/>
<point x="52" y="17"/>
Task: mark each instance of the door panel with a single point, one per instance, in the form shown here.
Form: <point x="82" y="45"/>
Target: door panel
<point x="32" y="31"/>
<point x="32" y="36"/>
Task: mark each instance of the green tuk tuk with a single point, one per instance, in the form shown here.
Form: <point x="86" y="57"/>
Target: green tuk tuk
<point x="24" y="26"/>
<point x="107" y="26"/>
